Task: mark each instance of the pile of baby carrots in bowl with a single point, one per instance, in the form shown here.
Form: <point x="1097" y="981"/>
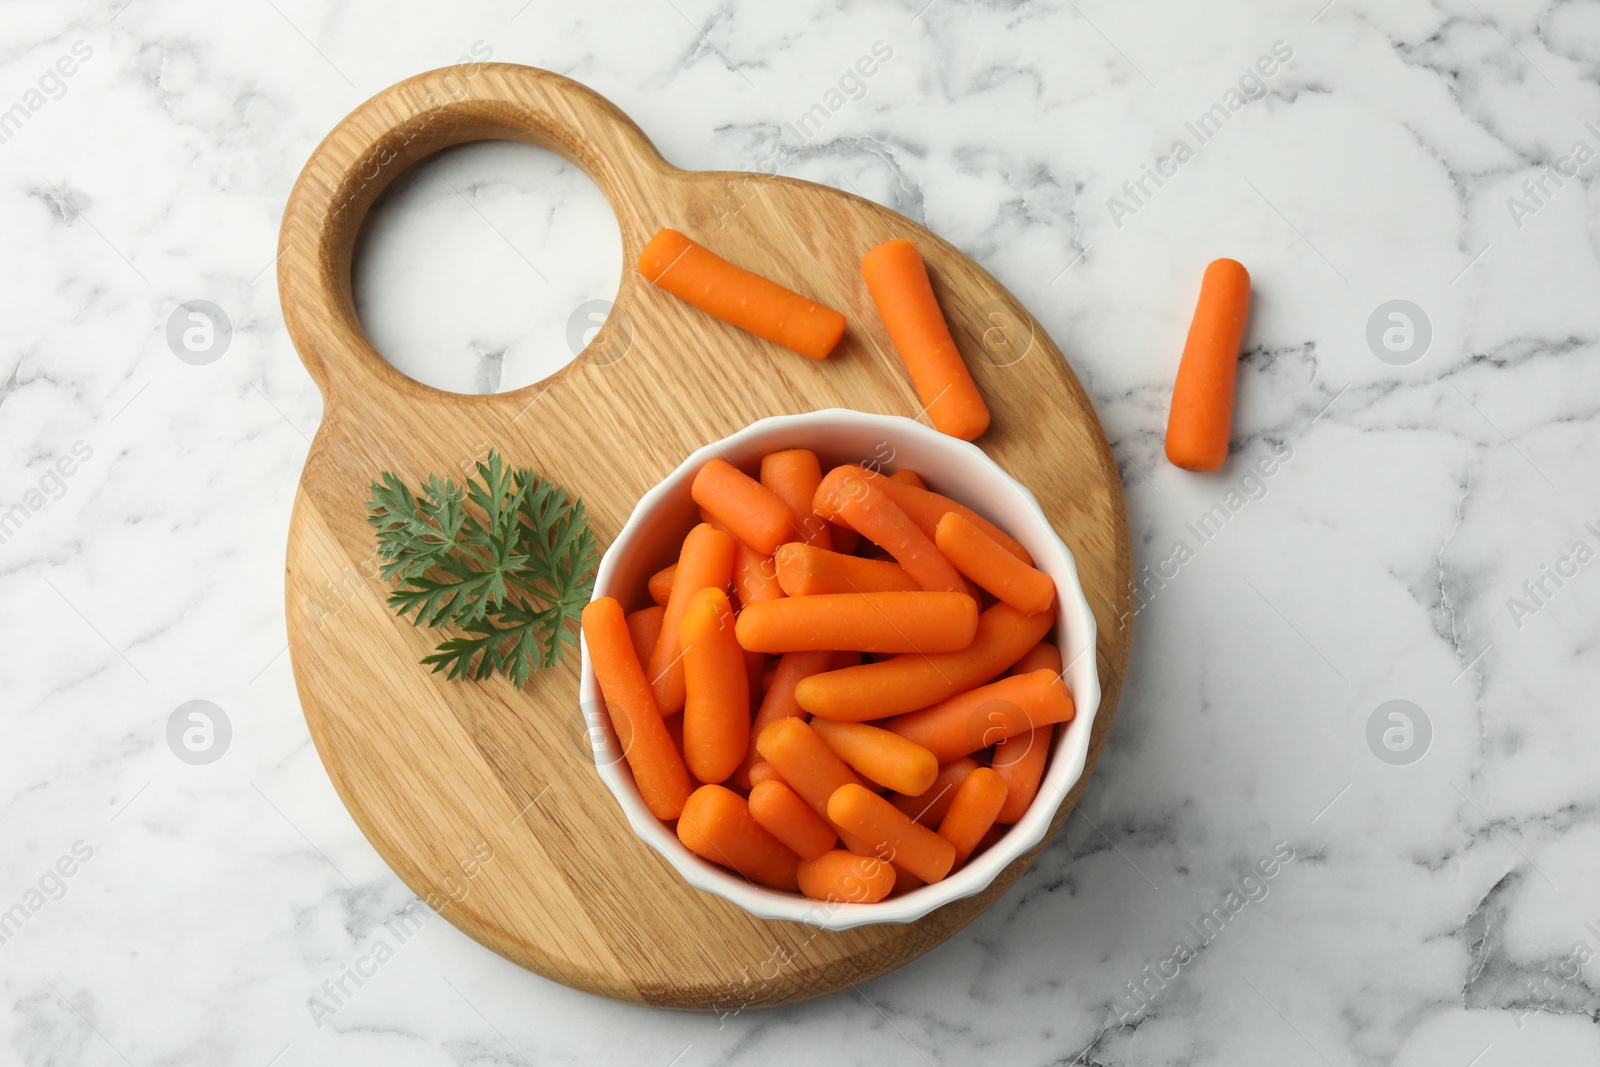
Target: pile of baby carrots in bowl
<point x="843" y="687"/>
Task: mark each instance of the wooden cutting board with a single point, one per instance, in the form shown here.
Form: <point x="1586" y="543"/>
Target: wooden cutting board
<point x="484" y="798"/>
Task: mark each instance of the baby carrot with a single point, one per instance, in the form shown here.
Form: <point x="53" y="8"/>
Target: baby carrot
<point x="807" y="571"/>
<point x="846" y="878"/>
<point x="863" y="622"/>
<point x="751" y="512"/>
<point x="762" y="771"/>
<point x="885" y="758"/>
<point x="805" y="761"/>
<point x="785" y="816"/>
<point x="986" y="561"/>
<point x="1202" y="397"/>
<point x="700" y="277"/>
<point x="716" y="712"/>
<point x="706" y="562"/>
<point x="973" y="811"/>
<point x="980" y="717"/>
<point x="898" y="281"/>
<point x="657" y="768"/>
<point x="929" y="806"/>
<point x="794" y="475"/>
<point x="907" y="476"/>
<point x="778" y="701"/>
<point x="1019" y="760"/>
<point x="926" y="508"/>
<point x="1041" y="657"/>
<point x="755" y="577"/>
<point x="874" y="516"/>
<point x="905" y="882"/>
<point x="717" y="825"/>
<point x="644" y="627"/>
<point x="906" y="683"/>
<point x="889" y="834"/>
<point x="661" y="584"/>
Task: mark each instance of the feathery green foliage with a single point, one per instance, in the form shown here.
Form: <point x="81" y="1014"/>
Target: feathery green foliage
<point x="507" y="559"/>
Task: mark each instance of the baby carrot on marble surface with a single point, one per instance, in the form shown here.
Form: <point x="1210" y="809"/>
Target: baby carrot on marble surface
<point x="784" y="815"/>
<point x="973" y="811"/>
<point x="897" y="278"/>
<point x="880" y="756"/>
<point x="702" y="278"/>
<point x="863" y="622"/>
<point x="980" y="717"/>
<point x="706" y="563"/>
<point x="657" y="768"/>
<point x="717" y="825"/>
<point x="889" y="834"/>
<point x="1201" y="416"/>
<point x="716" y="712"/>
<point x="986" y="561"/>
<point x="908" y="682"/>
<point x="807" y="571"/>
<point x="869" y="511"/>
<point x="846" y="878"/>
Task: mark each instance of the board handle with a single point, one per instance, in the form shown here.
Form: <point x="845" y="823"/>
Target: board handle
<point x="408" y="122"/>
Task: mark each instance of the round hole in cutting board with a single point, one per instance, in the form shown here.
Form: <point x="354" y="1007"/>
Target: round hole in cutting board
<point x="486" y="267"/>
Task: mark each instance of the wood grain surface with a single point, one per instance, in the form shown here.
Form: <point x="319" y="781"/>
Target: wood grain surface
<point x="484" y="798"/>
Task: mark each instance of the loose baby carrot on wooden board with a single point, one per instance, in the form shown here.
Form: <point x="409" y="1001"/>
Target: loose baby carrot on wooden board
<point x="807" y="571"/>
<point x="898" y="281"/>
<point x="716" y="712"/>
<point x="906" y="683"/>
<point x="663" y="781"/>
<point x="1202" y="396"/>
<point x="863" y="622"/>
<point x="846" y="878"/>
<point x="751" y="512"/>
<point x="889" y="834"/>
<point x="706" y="563"/>
<point x="980" y="717"/>
<point x="644" y="626"/>
<point x="880" y="756"/>
<point x="704" y="279"/>
<point x="790" y="819"/>
<point x="925" y="508"/>
<point x="661" y="584"/>
<point x="869" y="512"/>
<point x="717" y="825"/>
<point x="986" y="561"/>
<point x="929" y="806"/>
<point x="794" y="475"/>
<point x="973" y="811"/>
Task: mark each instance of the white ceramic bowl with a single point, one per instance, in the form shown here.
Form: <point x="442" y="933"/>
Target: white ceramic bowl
<point x="959" y="470"/>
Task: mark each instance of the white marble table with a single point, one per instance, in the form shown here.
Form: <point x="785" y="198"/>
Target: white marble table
<point x="1428" y="532"/>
